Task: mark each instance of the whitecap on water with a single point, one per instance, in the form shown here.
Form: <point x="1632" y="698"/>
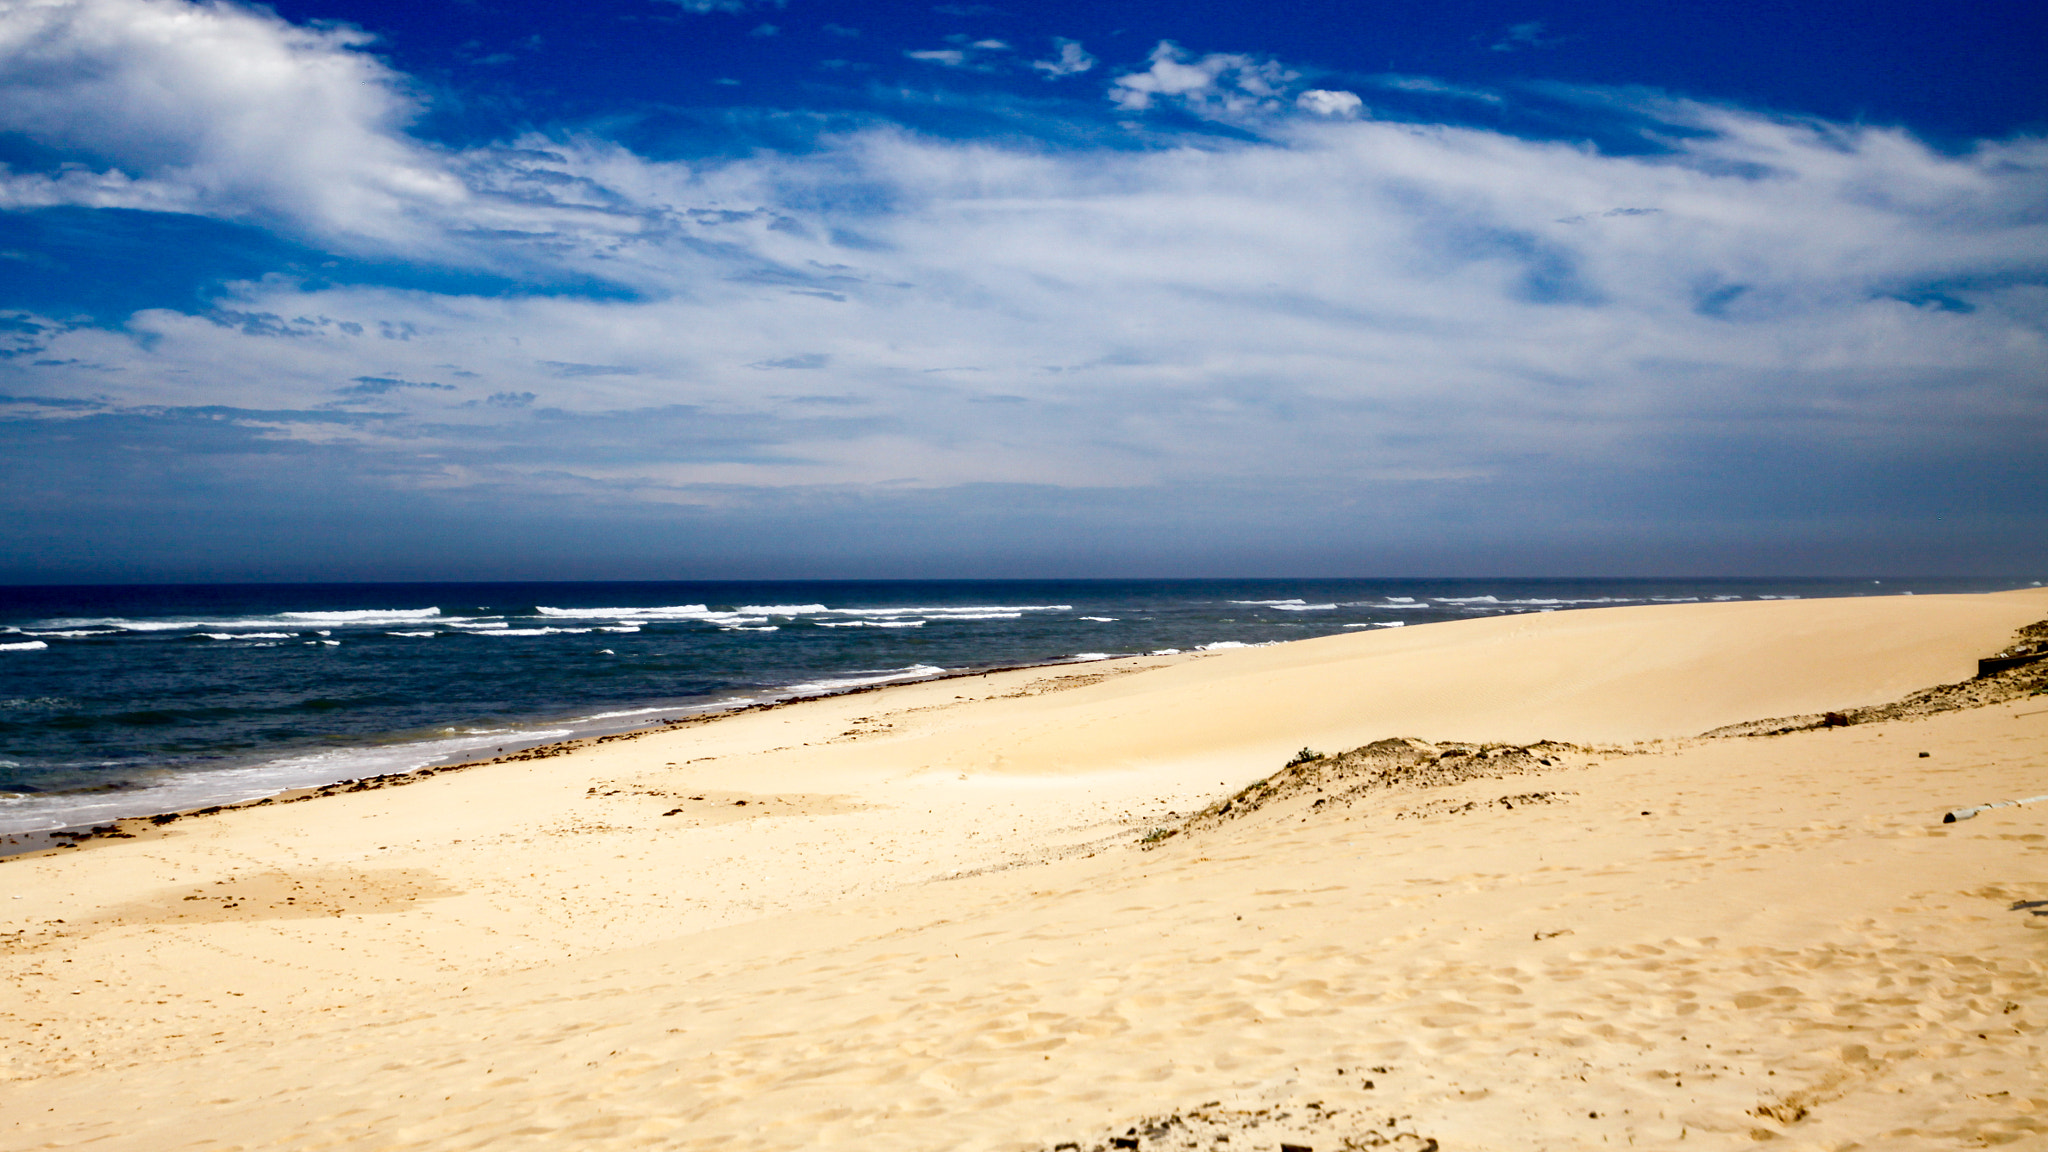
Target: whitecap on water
<point x="863" y="679"/>
<point x="667" y="612"/>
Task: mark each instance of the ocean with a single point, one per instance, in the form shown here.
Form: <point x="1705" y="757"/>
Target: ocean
<point x="127" y="701"/>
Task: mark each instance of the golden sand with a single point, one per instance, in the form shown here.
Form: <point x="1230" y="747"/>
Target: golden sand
<point x="931" y="924"/>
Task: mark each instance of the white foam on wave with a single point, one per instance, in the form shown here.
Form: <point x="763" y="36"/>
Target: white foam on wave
<point x="618" y="627"/>
<point x="120" y="624"/>
<point x="1559" y="602"/>
<point x="182" y="791"/>
<point x="412" y="633"/>
<point x="958" y="612"/>
<point x="870" y="623"/>
<point x="248" y="635"/>
<point x="1103" y="619"/>
<point x="507" y="631"/>
<point x="1536" y="601"/>
<point x="1303" y="607"/>
<point x="1380" y="624"/>
<point x="1220" y="645"/>
<point x="1271" y="603"/>
<point x="366" y="618"/>
<point x="24" y="646"/>
<point x="862" y="680"/>
<point x="627" y="712"/>
<point x="746" y="628"/>
<point x="74" y="634"/>
<point x="363" y="616"/>
<point x="668" y="612"/>
<point x="746" y="614"/>
<point x="633" y="619"/>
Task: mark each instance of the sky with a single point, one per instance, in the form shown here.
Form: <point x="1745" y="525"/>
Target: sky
<point x="644" y="289"/>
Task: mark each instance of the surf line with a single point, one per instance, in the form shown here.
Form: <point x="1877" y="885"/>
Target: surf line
<point x="1966" y="813"/>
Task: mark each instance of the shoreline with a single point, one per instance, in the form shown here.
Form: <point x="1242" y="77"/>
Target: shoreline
<point x="1991" y="669"/>
<point x="941" y="917"/>
<point x="118" y="777"/>
<point x="38" y="841"/>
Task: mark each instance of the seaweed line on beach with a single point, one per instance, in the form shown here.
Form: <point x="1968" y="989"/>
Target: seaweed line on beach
<point x="1298" y="1128"/>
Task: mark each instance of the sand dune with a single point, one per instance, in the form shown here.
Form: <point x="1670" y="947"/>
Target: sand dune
<point x="930" y="925"/>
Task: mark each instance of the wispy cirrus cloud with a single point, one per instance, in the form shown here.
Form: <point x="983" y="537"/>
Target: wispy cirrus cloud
<point x="731" y="7"/>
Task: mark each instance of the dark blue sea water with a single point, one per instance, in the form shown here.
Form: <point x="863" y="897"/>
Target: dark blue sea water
<point x="136" y="700"/>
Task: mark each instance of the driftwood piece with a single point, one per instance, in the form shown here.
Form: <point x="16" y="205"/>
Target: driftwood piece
<point x="1965" y="813"/>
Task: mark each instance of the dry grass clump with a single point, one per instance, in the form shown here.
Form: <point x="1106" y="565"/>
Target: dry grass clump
<point x="1980" y="691"/>
<point x="1396" y="762"/>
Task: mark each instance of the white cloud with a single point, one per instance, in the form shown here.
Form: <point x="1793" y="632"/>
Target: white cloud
<point x="966" y="53"/>
<point x="1324" y="102"/>
<point x="1350" y="303"/>
<point x="1342" y="305"/>
<point x="215" y="108"/>
<point x="1072" y="61"/>
<point x="1433" y="87"/>
<point x="1216" y="84"/>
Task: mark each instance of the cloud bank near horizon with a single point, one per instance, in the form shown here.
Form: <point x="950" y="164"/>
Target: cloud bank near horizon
<point x="1252" y="292"/>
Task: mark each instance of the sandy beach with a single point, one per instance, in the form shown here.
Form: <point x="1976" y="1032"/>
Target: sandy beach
<point x="1013" y="912"/>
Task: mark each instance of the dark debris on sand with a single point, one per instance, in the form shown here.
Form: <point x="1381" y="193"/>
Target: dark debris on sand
<point x="1309" y="1128"/>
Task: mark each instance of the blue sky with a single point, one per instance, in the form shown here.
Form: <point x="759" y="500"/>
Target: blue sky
<point x="693" y="288"/>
